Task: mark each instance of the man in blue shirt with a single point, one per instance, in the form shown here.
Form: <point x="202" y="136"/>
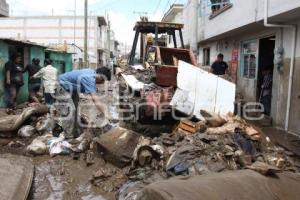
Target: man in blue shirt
<point x="67" y="96"/>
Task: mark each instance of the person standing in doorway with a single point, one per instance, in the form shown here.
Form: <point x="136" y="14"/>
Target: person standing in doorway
<point x="266" y="90"/>
<point x="13" y="80"/>
<point x="219" y="67"/>
<point x="49" y="76"/>
<point x="34" y="85"/>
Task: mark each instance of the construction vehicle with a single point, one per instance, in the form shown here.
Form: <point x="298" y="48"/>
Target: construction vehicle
<point x="152" y="76"/>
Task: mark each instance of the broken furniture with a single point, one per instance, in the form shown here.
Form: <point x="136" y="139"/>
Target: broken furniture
<point x="117" y="146"/>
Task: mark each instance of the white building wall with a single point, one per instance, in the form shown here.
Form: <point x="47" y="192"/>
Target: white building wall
<point x="56" y="31"/>
<point x="190" y="17"/>
<point x="241" y="14"/>
<point x="4" y="8"/>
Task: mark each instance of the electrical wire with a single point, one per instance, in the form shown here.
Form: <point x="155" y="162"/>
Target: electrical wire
<point x="156" y="9"/>
<point x="107" y="5"/>
<point x="168" y="3"/>
<point x="167" y="6"/>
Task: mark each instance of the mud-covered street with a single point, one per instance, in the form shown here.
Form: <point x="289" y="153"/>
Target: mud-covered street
<point x="63" y="177"/>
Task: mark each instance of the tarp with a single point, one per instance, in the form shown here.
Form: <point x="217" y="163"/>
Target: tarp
<point x="233" y="185"/>
<point x="201" y="90"/>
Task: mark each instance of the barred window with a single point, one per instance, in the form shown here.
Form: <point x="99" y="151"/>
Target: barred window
<point x="249" y="59"/>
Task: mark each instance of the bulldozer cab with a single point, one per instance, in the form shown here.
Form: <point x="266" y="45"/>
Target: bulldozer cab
<point x="153" y="34"/>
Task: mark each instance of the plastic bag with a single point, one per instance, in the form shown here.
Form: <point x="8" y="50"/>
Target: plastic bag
<point x="58" y="146"/>
<point x="26" y="131"/>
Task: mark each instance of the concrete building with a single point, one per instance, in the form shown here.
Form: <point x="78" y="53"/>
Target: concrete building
<point x="4" y="8"/>
<point x="66" y="32"/>
<point x="175" y="15"/>
<point x="241" y="31"/>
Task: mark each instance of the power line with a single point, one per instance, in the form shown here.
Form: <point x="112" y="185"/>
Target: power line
<point x="168" y="3"/>
<point x="155" y="11"/>
<point x="107" y="5"/>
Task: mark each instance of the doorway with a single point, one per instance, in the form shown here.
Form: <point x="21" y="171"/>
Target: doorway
<point x="265" y="72"/>
<point x="17" y="51"/>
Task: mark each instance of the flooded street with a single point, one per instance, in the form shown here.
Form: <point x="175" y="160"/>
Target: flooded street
<point x="63" y="178"/>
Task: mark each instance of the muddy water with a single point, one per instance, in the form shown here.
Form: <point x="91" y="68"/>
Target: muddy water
<point x="63" y="178"/>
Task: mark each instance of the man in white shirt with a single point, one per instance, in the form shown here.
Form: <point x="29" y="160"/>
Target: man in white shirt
<point x="49" y="76"/>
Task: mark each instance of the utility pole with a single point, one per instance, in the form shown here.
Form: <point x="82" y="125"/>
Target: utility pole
<point x="108" y="41"/>
<point x="126" y="49"/>
<point x="194" y="5"/>
<point x="75" y="13"/>
<point x="85" y="33"/>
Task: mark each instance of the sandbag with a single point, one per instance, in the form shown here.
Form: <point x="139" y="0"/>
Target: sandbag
<point x="39" y="145"/>
<point x="14" y="122"/>
<point x="234" y="185"/>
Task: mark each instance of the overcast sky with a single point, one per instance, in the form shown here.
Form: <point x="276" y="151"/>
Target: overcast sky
<point x="121" y="12"/>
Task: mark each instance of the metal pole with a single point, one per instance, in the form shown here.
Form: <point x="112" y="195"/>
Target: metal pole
<point x="132" y="54"/>
<point x="75" y="13"/>
<point x="86" y="32"/>
<point x="108" y="42"/>
<point x="156" y="35"/>
<point x="174" y="39"/>
<point x="181" y="38"/>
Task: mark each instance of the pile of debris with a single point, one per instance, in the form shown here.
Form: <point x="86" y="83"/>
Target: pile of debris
<point x="193" y="148"/>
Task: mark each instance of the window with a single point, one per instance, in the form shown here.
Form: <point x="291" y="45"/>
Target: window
<point x="249" y="59"/>
<point x="217" y="5"/>
<point x="206" y="56"/>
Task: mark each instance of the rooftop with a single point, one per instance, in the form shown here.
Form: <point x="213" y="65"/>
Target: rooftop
<point x="21" y="42"/>
<point x="172" y="12"/>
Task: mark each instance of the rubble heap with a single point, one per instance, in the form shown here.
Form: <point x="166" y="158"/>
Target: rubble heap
<point x="202" y="148"/>
<point x="213" y="145"/>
